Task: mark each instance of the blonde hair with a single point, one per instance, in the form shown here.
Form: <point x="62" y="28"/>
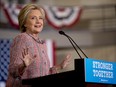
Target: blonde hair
<point x="24" y="12"/>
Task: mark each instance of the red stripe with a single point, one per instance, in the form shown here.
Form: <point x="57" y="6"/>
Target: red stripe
<point x="10" y="20"/>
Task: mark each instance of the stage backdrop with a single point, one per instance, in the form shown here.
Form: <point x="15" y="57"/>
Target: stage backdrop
<point x="5" y="52"/>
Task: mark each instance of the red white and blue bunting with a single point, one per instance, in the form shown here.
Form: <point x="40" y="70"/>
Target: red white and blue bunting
<point x="60" y="17"/>
<point x="57" y="17"/>
<point x="11" y="12"/>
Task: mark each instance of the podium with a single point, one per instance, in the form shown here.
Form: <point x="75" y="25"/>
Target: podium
<point x="87" y="71"/>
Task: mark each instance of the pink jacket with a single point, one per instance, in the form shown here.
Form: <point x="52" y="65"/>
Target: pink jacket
<point x="37" y="50"/>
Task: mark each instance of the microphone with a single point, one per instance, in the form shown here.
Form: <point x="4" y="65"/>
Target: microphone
<point x="62" y="33"/>
<point x="73" y="42"/>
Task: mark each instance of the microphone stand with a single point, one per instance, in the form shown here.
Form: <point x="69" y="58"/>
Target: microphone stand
<point x="71" y="40"/>
<point x="74" y="47"/>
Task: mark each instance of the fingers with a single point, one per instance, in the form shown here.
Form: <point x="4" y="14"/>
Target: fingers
<point x="68" y="57"/>
<point x="25" y="52"/>
<point x="23" y="55"/>
<point x="66" y="61"/>
<point x="27" y="58"/>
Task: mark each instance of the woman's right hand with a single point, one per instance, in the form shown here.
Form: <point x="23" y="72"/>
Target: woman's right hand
<point x="26" y="57"/>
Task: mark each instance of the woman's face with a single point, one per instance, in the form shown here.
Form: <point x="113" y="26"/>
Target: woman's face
<point x="34" y="22"/>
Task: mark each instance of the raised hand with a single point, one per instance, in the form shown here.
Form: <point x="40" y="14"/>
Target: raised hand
<point x="26" y="57"/>
<point x="66" y="61"/>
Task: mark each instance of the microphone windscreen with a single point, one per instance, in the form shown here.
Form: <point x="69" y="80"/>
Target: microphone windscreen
<point x="61" y="32"/>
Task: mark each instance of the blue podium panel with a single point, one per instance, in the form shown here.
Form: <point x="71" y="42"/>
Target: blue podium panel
<point x="100" y="71"/>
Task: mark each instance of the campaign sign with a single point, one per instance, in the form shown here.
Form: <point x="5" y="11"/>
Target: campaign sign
<point x="100" y="71"/>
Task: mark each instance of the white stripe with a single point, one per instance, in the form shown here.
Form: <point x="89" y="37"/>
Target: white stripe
<point x="50" y="51"/>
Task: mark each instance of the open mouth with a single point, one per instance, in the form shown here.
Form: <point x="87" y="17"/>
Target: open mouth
<point x="37" y="26"/>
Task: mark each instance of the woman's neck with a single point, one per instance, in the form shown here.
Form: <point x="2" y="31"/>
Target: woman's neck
<point x="33" y="35"/>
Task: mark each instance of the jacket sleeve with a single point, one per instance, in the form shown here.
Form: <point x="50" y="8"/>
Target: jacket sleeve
<point x="16" y="66"/>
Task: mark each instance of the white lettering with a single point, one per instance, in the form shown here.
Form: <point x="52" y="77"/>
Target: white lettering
<point x="102" y="65"/>
<point x="103" y="74"/>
